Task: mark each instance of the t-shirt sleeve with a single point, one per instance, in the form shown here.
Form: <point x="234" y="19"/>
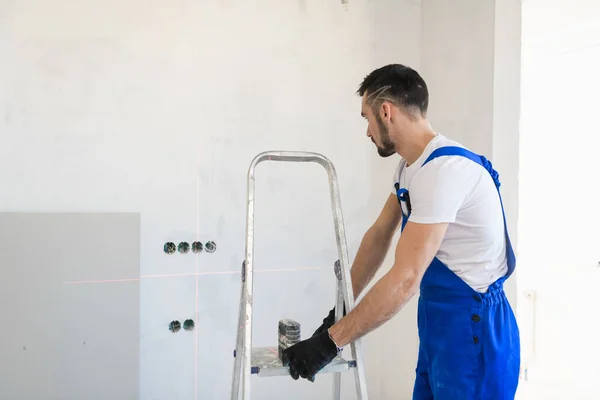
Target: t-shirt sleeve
<point x="440" y="188"/>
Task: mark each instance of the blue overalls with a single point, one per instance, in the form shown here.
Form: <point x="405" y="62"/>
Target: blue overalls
<point x="469" y="341"/>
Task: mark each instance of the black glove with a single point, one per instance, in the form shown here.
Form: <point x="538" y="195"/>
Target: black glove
<point x="309" y="356"/>
<point x="329" y="321"/>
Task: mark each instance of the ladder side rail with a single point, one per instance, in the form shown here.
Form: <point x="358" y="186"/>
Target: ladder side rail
<point x="339" y="310"/>
<point x="295" y="156"/>
<point x="338" y="220"/>
<point x="237" y="365"/>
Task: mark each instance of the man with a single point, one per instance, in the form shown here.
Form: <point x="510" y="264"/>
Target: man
<point x="453" y="248"/>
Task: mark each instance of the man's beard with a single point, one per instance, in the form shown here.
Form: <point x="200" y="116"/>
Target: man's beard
<point x="387" y="148"/>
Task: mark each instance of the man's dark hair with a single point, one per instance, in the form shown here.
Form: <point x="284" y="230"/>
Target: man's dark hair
<point x="398" y="84"/>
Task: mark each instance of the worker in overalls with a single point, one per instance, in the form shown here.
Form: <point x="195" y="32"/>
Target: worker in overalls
<point x="454" y="249"/>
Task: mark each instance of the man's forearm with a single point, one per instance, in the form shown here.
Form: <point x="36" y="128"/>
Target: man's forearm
<point x="369" y="257"/>
<point x="382" y="302"/>
<point x="416" y="248"/>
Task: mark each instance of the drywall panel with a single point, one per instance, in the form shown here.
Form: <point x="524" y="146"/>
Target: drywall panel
<point x="62" y="337"/>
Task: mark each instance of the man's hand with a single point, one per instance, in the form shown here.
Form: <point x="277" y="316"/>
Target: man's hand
<point x="308" y="357"/>
<point x="329" y="321"/>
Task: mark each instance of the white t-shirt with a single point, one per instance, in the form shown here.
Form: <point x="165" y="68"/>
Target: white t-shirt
<point x="461" y="192"/>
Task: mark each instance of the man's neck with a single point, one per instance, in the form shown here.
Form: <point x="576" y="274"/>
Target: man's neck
<point x="414" y="147"/>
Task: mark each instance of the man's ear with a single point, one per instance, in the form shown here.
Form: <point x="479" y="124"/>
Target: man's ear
<point x="385" y="111"/>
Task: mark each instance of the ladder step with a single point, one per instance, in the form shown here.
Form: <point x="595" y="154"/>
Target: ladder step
<point x="265" y="362"/>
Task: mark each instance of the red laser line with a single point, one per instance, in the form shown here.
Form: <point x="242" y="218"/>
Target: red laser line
<point x="289" y="269"/>
<point x="197" y="262"/>
<point x="187" y="274"/>
<point x="103" y="281"/>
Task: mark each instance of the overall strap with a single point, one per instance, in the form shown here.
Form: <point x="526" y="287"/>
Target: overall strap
<point x="403" y="197"/>
<point x="485" y="163"/>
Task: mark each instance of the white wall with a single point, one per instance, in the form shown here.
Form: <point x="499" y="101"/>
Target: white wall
<point x="143" y="106"/>
<point x="471" y="61"/>
<point x="561" y="56"/>
<point x="159" y="107"/>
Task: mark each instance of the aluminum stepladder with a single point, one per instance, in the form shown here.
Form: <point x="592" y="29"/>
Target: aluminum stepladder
<point x="263" y="361"/>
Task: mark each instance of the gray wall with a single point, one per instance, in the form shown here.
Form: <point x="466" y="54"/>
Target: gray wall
<point x="61" y="339"/>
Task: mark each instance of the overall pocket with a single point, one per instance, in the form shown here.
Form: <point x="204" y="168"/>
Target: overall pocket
<point x="452" y="346"/>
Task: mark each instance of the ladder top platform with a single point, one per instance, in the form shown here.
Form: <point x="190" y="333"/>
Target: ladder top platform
<point x="265" y="362"/>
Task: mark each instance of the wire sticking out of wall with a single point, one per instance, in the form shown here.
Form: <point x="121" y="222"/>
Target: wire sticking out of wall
<point x="183" y="247"/>
<point x="210" y="246"/>
<point x="188" y="325"/>
<point x="197" y="247"/>
<point x="169" y="248"/>
<point x="175" y="326"/>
